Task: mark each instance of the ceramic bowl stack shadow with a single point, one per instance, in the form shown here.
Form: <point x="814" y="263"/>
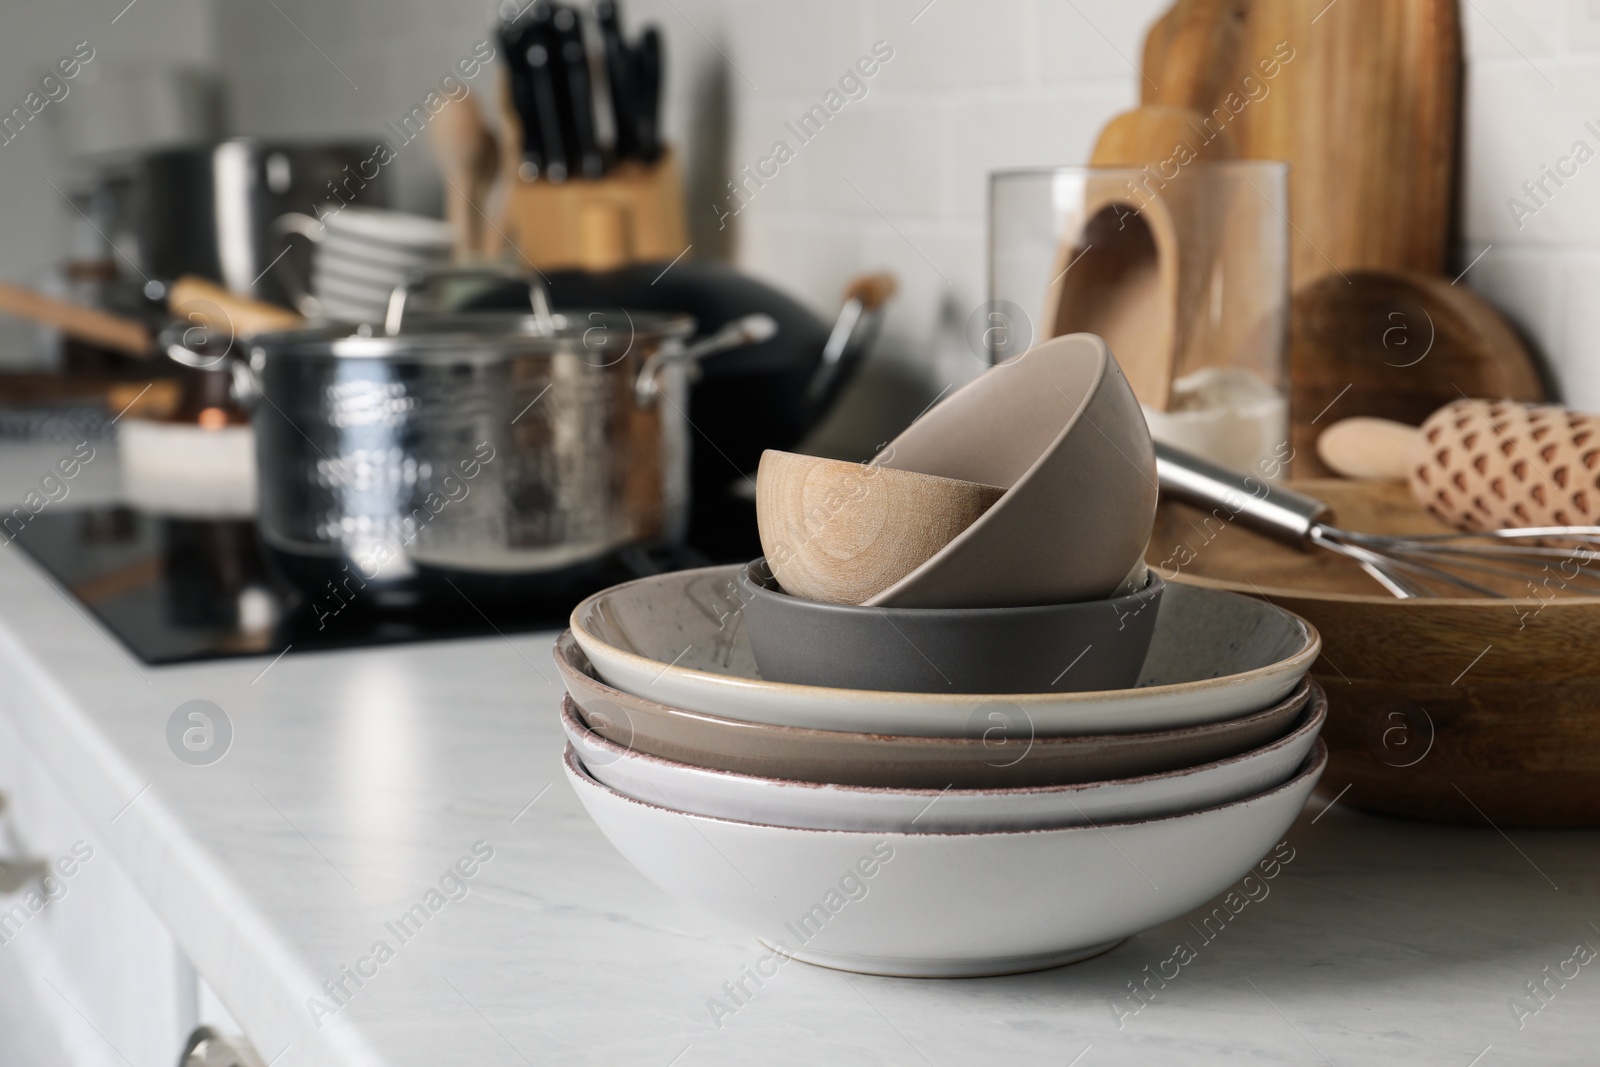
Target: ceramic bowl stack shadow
<point x="938" y="832"/>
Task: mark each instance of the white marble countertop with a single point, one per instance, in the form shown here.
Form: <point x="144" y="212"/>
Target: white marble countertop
<point x="356" y="779"/>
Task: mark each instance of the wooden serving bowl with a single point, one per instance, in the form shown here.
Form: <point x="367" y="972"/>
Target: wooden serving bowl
<point x="1454" y="710"/>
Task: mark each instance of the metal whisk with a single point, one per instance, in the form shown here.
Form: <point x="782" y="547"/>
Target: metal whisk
<point x="1411" y="565"/>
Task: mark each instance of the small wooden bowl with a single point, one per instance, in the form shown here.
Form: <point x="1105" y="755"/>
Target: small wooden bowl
<point x="1462" y="710"/>
<point x="843" y="532"/>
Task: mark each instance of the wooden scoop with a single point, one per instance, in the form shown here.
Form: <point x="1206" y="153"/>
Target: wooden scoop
<point x="1481" y="464"/>
<point x="843" y="532"/>
<point x="1137" y="270"/>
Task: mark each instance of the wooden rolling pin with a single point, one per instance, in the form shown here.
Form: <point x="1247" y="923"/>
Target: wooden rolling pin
<point x="1481" y="464"/>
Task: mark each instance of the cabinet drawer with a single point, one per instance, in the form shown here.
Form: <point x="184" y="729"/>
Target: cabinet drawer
<point x="106" y="980"/>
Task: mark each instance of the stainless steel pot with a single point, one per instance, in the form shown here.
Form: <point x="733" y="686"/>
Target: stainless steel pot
<point x="498" y="454"/>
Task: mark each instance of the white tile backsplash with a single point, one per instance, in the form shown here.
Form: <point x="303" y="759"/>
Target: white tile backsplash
<point x="1086" y="42"/>
<point x="974" y="85"/>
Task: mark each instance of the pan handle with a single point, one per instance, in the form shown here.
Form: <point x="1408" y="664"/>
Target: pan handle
<point x="538" y="295"/>
<point x="752" y="329"/>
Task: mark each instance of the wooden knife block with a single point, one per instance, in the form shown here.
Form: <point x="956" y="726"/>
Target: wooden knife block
<point x="634" y="214"/>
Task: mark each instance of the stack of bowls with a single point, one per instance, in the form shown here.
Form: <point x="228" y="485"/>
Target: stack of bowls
<point x="364" y="254"/>
<point x="974" y="825"/>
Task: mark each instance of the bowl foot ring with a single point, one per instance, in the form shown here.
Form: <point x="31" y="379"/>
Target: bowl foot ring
<point x="981" y="967"/>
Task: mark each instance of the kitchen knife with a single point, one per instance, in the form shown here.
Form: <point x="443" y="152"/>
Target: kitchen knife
<point x="547" y="108"/>
<point x="647" y="93"/>
<point x="521" y="82"/>
<point x="619" y="80"/>
<point x="575" y="91"/>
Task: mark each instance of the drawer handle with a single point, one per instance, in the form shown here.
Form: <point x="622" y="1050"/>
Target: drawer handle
<point x="17" y="872"/>
<point x="207" y="1048"/>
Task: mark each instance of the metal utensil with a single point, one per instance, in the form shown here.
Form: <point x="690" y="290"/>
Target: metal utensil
<point x="1415" y="565"/>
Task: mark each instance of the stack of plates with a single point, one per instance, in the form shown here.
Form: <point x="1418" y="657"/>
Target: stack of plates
<point x="932" y="833"/>
<point x="367" y="253"/>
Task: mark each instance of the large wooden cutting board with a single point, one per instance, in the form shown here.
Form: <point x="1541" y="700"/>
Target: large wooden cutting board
<point x="1364" y="103"/>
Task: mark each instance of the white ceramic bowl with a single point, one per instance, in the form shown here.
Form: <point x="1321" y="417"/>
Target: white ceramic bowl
<point x="809" y="806"/>
<point x="678" y="639"/>
<point x="946" y="905"/>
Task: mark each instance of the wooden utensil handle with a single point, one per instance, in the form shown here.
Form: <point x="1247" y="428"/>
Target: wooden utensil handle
<point x="201" y="299"/>
<point x="1368" y="449"/>
<point x="84" y="323"/>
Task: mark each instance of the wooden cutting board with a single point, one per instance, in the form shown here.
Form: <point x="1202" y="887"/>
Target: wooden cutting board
<point x="1395" y="346"/>
<point x="1362" y="97"/>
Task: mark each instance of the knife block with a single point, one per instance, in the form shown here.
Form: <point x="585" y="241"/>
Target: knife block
<point x="634" y="214"/>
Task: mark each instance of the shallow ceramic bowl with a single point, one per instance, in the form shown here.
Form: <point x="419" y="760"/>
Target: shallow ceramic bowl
<point x="1040" y="648"/>
<point x="679" y="639"/>
<point x="1060" y="430"/>
<point x="809" y="806"/>
<point x="1000" y="750"/>
<point x="946" y="905"/>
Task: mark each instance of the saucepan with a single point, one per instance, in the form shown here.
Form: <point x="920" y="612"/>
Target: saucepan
<point x="478" y="456"/>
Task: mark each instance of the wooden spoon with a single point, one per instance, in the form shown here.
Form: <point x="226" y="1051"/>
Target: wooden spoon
<point x="843" y="532"/>
<point x="468" y="158"/>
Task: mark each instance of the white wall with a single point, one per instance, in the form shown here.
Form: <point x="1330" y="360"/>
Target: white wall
<point x="34" y="35"/>
<point x="973" y="85"/>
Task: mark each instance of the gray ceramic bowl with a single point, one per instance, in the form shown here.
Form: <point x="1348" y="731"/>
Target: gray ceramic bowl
<point x="1093" y="645"/>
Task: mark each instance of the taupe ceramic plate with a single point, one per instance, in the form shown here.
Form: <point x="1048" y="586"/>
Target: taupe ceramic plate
<point x="1000" y="751"/>
<point x="681" y="639"/>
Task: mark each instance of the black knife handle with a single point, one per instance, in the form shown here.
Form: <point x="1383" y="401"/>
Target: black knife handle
<point x="647" y="76"/>
<point x="548" y="110"/>
<point x="619" y="80"/>
<point x="578" y="99"/>
<point x="520" y="79"/>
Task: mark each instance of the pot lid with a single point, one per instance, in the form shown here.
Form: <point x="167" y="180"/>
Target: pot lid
<point x="479" y="334"/>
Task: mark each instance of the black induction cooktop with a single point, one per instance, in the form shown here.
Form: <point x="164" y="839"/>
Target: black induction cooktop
<point x="177" y="590"/>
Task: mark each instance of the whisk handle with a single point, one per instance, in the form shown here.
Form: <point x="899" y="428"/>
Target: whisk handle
<point x="1282" y="514"/>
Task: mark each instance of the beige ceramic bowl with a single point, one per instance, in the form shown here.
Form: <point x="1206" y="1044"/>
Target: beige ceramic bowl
<point x="1058" y="428"/>
<point x="1000" y="751"/>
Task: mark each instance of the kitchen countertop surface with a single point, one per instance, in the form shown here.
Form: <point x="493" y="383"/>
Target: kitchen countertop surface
<point x="354" y="780"/>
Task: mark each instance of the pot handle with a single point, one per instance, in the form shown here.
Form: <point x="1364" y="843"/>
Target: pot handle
<point x="752" y="329"/>
<point x="538" y="295"/>
<point x="296" y="224"/>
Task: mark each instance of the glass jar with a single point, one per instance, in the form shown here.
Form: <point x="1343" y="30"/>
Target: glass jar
<point x="1183" y="269"/>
